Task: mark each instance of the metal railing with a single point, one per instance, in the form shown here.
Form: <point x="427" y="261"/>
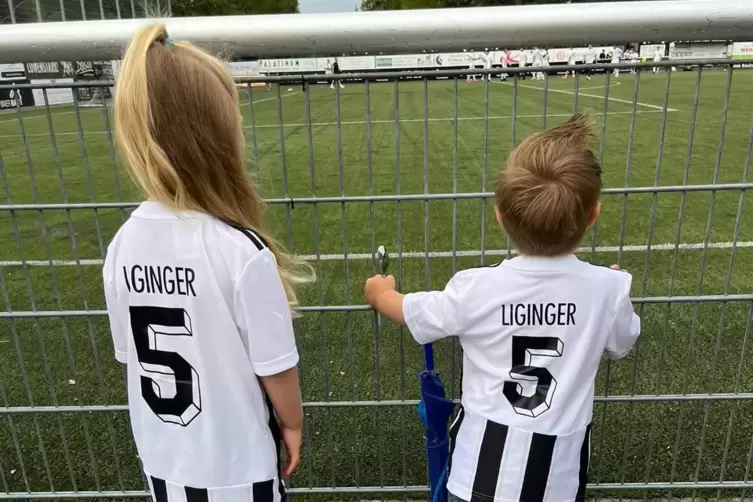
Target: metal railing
<point x="407" y="32"/>
<point x="408" y="164"/>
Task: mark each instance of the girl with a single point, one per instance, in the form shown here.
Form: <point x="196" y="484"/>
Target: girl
<point x="198" y="295"/>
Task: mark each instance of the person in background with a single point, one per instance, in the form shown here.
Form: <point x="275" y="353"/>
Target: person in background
<point x="616" y="58"/>
<point x="658" y="56"/>
<point x="198" y="293"/>
<point x="538" y="62"/>
<point x="533" y="329"/>
<point x="486" y="59"/>
<point x="471" y="77"/>
<point x="634" y="59"/>
<point x="590" y="59"/>
<point x="572" y="60"/>
<point x="336" y="72"/>
<point x="523" y="62"/>
<point x="506" y="60"/>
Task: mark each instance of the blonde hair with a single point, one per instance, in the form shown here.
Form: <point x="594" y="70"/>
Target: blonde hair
<point x="179" y="130"/>
<point x="549" y="189"/>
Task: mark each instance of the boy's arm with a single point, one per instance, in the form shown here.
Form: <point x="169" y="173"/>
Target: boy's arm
<point x="627" y="325"/>
<point x="390" y="305"/>
<point x="430" y="316"/>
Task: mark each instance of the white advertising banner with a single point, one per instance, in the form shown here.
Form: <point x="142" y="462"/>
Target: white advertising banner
<point x="54" y="96"/>
<point x="291" y="65"/>
<point x="243" y="68"/>
<point x="698" y="51"/>
<point x="404" y="61"/>
<point x="451" y="59"/>
<point x="12" y="71"/>
<point x="649" y="50"/>
<point x="742" y="50"/>
<point x="356" y="63"/>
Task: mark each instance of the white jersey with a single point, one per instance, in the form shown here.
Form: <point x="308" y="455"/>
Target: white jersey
<point x="616" y="55"/>
<point x="591" y="56"/>
<point x="533" y="331"/>
<point x="538" y="57"/>
<point x="198" y="313"/>
<point x="487" y="60"/>
<point x="572" y="57"/>
<point x="658" y="56"/>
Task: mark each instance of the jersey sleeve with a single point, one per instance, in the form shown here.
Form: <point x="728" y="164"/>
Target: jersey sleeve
<point x="433" y="315"/>
<point x="627" y="324"/>
<point x="117" y="327"/>
<point x="264" y="318"/>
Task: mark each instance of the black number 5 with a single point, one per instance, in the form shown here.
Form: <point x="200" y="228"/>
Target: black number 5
<point x="172" y="391"/>
<point x="524" y="349"/>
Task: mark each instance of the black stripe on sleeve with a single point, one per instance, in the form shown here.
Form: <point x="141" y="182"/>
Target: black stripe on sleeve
<point x="258" y="241"/>
<point x="489" y="462"/>
<point x="264" y="491"/>
<point x="159" y="488"/>
<point x="196" y="494"/>
<point x="537" y="468"/>
<point x="585" y="455"/>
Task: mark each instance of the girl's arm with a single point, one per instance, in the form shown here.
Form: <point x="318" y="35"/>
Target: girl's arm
<point x="284" y="390"/>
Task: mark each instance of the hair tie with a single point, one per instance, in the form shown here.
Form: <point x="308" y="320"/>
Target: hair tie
<point x="165" y="40"/>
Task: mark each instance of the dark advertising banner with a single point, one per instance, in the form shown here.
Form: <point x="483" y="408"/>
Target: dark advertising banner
<point x="93" y="70"/>
<point x="50" y="70"/>
<point x="11" y="98"/>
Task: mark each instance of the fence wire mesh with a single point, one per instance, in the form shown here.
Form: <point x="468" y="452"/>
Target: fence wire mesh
<point x="407" y="163"/>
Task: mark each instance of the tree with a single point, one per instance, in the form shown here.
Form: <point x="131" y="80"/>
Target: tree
<point x="432" y="4"/>
<point x="232" y="7"/>
<point x="25" y="11"/>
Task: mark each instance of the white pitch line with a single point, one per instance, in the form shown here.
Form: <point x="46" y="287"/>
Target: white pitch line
<point x="362" y="122"/>
<point x="435" y="254"/>
<point x="99" y="108"/>
<point x="596" y="96"/>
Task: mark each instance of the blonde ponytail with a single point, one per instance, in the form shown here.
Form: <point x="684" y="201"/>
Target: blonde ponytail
<point x="178" y="128"/>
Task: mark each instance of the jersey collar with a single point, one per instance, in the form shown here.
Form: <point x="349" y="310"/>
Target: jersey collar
<point x="534" y="263"/>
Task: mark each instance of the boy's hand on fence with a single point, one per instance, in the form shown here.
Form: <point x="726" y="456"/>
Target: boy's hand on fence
<point x="376" y="286"/>
<point x="292" y="439"/>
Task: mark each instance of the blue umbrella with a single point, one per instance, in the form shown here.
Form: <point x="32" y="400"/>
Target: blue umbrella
<point x="435" y="410"/>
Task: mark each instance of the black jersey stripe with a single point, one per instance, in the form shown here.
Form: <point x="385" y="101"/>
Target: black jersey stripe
<point x="585" y="456"/>
<point x="489" y="462"/>
<point x="274" y="428"/>
<point x="196" y="494"/>
<point x="536" y="477"/>
<point x="159" y="489"/>
<point x="263" y="491"/>
<point x="252" y="236"/>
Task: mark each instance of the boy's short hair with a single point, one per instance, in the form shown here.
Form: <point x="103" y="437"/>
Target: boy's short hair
<point x="549" y="189"/>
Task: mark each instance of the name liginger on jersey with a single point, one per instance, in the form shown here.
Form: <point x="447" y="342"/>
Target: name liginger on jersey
<point x="538" y="314"/>
<point x="165" y="280"/>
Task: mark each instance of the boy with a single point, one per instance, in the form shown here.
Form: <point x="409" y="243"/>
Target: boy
<point x="532" y="328"/>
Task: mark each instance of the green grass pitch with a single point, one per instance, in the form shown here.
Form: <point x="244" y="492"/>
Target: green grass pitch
<point x="693" y="348"/>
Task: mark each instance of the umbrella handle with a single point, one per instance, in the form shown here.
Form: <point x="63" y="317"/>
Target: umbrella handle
<point x="429" y="355"/>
